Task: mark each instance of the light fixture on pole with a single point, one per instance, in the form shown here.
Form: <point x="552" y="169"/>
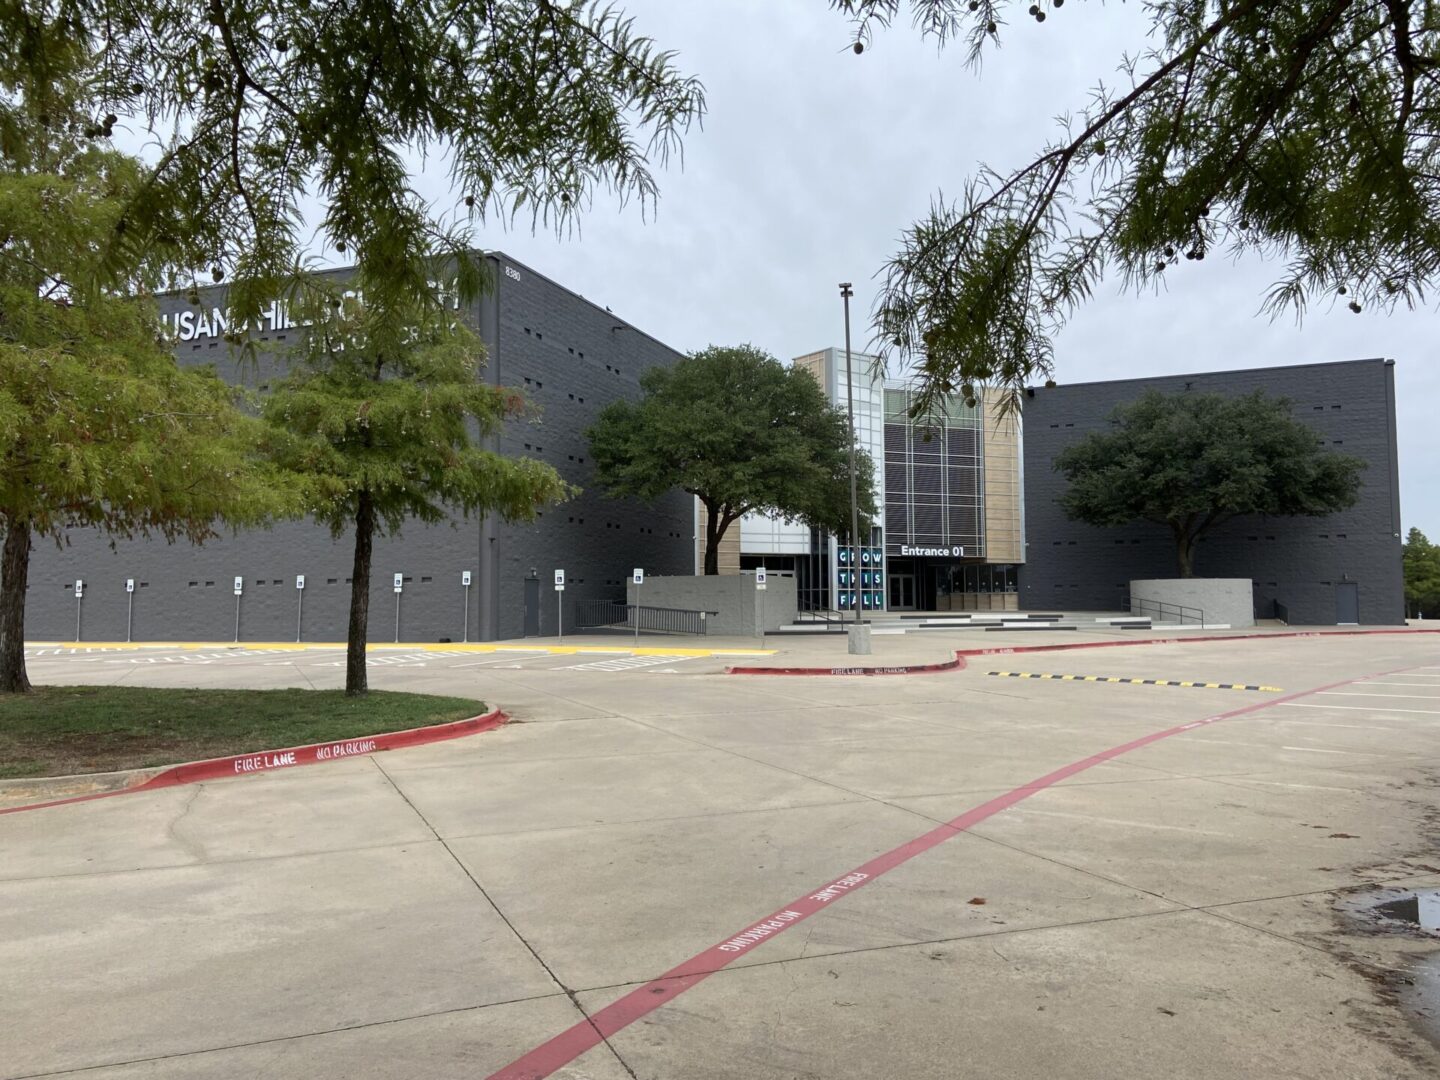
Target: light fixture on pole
<point x="859" y="635"/>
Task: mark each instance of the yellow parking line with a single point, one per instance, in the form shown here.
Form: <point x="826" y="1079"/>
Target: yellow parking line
<point x="421" y="646"/>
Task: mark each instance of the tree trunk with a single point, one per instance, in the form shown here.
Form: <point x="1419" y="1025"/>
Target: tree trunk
<point x="357" y="636"/>
<point x="1185" y="554"/>
<point x="14" y="575"/>
<point x="713" y="532"/>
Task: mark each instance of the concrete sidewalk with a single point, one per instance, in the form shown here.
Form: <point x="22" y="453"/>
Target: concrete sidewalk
<point x="442" y="911"/>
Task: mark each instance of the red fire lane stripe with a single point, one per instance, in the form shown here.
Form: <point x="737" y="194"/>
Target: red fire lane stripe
<point x="620" y="1014"/>
<point x="291" y="757"/>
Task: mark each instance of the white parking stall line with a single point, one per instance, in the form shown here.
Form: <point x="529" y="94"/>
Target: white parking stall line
<point x="503" y="660"/>
<point x="1341" y="693"/>
<point x="1356" y="708"/>
<point x="406" y="660"/>
<point x="625" y="663"/>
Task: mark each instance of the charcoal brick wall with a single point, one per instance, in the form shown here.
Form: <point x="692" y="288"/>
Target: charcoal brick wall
<point x="1296" y="561"/>
<point x="569" y="356"/>
<point x="572" y="358"/>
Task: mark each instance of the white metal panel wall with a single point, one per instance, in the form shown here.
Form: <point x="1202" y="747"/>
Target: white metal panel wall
<point x="761" y="535"/>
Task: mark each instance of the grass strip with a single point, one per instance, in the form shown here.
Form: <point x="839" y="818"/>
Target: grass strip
<point x="58" y="730"/>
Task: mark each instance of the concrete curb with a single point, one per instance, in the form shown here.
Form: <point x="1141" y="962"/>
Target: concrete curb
<point x="1004" y="650"/>
<point x="135" y="780"/>
<point x="901" y="669"/>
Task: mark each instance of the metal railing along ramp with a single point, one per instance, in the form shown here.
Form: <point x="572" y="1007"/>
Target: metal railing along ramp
<point x="613" y="615"/>
<point x="1160" y="611"/>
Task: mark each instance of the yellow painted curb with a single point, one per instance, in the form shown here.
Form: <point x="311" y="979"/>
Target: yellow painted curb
<point x="423" y="646"/>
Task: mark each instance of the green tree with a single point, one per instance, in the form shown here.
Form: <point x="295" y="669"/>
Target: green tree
<point x="739" y="431"/>
<point x="1301" y="130"/>
<point x="391" y="433"/>
<point x="1192" y="462"/>
<point x="1422" y="574"/>
<point x="258" y="108"/>
<point x="99" y="427"/>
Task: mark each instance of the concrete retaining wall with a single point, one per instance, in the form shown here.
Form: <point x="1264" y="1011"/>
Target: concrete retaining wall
<point x="1223" y="600"/>
<point x="733" y="596"/>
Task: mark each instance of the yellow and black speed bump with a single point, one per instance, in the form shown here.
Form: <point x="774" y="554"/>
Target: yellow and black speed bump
<point x="1139" y="682"/>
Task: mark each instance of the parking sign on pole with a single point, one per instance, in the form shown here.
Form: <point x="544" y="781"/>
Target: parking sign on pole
<point x="559" y="605"/>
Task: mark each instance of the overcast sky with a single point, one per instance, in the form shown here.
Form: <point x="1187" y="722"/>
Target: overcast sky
<point x="812" y="160"/>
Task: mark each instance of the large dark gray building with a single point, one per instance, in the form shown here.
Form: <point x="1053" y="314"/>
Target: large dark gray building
<point x="1342" y="568"/>
<point x="569" y="356"/>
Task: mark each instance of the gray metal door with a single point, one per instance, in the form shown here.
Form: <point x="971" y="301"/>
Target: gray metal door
<point x="532" y="607"/>
<point x="1347" y="603"/>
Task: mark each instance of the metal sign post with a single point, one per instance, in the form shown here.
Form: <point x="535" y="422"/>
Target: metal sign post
<point x="129" y="605"/>
<point x="239" y="588"/>
<point x="639" y="578"/>
<point x="79" y="599"/>
<point x="399" y="585"/>
<point x="465" y="580"/>
<point x="760" y="590"/>
<point x="299" y="603"/>
<point x="559" y="605"/>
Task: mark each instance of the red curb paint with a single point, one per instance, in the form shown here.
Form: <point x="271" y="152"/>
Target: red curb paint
<point x="906" y="669"/>
<point x="960" y="654"/>
<point x="618" y="1015"/>
<point x="292" y="757"/>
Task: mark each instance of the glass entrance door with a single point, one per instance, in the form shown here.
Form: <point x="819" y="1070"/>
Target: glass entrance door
<point x="902" y="592"/>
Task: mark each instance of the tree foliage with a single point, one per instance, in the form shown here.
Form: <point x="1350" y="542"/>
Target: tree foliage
<point x="1422" y="575"/>
<point x="741" y="432"/>
<point x="254" y="106"/>
<point x="1301" y="130"/>
<point x="389" y="434"/>
<point x="99" y="427"/>
<point x="1192" y="462"/>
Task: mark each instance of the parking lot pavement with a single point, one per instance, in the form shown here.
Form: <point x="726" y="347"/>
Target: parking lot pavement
<point x="447" y="910"/>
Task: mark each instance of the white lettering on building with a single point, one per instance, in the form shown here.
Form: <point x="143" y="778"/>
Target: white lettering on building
<point x="189" y="324"/>
<point x="956" y="552"/>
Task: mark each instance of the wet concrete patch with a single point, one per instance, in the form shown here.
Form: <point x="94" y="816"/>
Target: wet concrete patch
<point x="1414" y="912"/>
<point x="1418" y="909"/>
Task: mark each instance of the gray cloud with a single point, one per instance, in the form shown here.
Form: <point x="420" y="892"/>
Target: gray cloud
<point x="812" y="160"/>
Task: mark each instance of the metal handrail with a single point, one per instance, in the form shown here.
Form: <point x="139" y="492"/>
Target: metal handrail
<point x="834" y="621"/>
<point x="615" y="615"/>
<point x="1138" y="605"/>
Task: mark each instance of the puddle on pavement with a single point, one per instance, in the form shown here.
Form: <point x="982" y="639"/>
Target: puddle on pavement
<point x="1418" y="909"/>
<point x="1412" y="910"/>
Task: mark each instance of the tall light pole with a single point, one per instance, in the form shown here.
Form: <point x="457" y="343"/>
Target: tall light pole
<point x="859" y="640"/>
